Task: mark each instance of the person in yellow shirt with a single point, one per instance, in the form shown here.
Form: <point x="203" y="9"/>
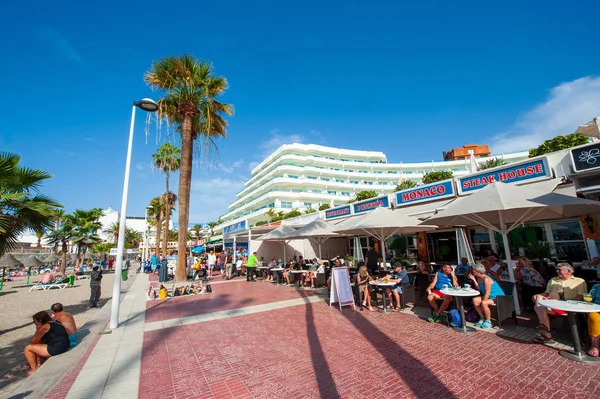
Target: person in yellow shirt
<point x="564" y="287"/>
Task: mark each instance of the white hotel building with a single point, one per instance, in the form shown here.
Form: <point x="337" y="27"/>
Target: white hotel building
<point x="302" y="176"/>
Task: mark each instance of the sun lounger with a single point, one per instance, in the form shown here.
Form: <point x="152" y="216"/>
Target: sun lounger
<point x="46" y="287"/>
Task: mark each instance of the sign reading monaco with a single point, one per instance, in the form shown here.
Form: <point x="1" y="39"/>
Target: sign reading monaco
<point x="370" y="204"/>
<point x="513" y="173"/>
<point x="337" y="212"/>
<point x="429" y="192"/>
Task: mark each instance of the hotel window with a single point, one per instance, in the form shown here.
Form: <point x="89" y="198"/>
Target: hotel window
<point x="308" y="205"/>
<point x="296" y="190"/>
<point x="370" y="182"/>
<point x="272" y="205"/>
<point x="325" y="178"/>
<point x="339" y="181"/>
<point x="350" y="170"/>
<point x="569" y="241"/>
<point x="292" y="176"/>
<point x="331" y="192"/>
<point x="316" y="191"/>
<point x="311" y="177"/>
<point x="345" y="193"/>
<point x="287" y="205"/>
<point x="354" y="181"/>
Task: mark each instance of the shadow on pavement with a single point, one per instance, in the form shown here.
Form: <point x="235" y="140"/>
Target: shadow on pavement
<point x="21" y="395"/>
<point x="2" y="293"/>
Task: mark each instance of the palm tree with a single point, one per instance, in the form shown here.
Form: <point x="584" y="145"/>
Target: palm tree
<point x="112" y="231"/>
<point x="405" y="185"/>
<point x="85" y="227"/>
<point x="155" y="213"/>
<point x="190" y="89"/>
<point x="133" y="238"/>
<point x="491" y="163"/>
<point x="61" y="235"/>
<point x="167" y="159"/>
<point x="197" y="229"/>
<point x="212" y="226"/>
<point x="22" y="207"/>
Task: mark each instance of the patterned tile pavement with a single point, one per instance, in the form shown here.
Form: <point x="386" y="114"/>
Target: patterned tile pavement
<point x="314" y="351"/>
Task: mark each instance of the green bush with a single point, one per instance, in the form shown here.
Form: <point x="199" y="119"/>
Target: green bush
<point x="433" y="177"/>
<point x="559" y="143"/>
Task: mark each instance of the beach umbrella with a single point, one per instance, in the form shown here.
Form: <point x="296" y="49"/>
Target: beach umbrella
<point x="29" y="262"/>
<point x="7" y="260"/>
<point x="280" y="234"/>
<point x="504" y="207"/>
<point x="382" y="223"/>
<point x="317" y="231"/>
<point x="50" y="259"/>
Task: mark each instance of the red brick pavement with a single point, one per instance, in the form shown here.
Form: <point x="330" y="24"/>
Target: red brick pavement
<point x="314" y="351"/>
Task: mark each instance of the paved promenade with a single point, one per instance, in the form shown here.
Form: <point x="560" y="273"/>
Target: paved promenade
<point x="257" y="340"/>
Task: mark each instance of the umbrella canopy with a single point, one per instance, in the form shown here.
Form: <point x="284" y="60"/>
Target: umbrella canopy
<point x="318" y="231"/>
<point x="280" y="234"/>
<point x="382" y="223"/>
<point x="32" y="261"/>
<point x="7" y="260"/>
<point x="51" y="258"/>
<point x="473" y="162"/>
<point x="503" y="207"/>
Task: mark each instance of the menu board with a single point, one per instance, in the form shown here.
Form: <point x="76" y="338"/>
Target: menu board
<point x="341" y="291"/>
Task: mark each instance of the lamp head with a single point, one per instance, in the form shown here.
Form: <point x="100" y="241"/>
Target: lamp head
<point x="147" y="104"/>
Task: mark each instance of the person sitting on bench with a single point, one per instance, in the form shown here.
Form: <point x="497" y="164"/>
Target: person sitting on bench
<point x="67" y="320"/>
<point x="50" y="339"/>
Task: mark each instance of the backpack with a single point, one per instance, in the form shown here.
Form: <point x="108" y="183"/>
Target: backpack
<point x="454" y="318"/>
<point x="472" y="316"/>
<point x="208" y="288"/>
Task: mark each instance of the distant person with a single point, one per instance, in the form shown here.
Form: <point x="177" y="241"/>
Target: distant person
<point x="67" y="320"/>
<point x="371" y="261"/>
<point x="251" y="267"/>
<point x="111" y="263"/>
<point x="95" y="286"/>
<point x="222" y="261"/>
<point x="50" y="339"/>
<point x="154" y="263"/>
<point x="212" y="259"/>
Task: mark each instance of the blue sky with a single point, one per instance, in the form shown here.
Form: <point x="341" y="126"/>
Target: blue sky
<point x="411" y="79"/>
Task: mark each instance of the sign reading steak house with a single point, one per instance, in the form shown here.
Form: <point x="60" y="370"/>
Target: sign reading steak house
<point x="337" y="212"/>
<point x="429" y="192"/>
<point x="370" y="204"/>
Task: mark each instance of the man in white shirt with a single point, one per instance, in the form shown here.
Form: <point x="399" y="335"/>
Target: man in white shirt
<point x="212" y="259"/>
<point x="494" y="267"/>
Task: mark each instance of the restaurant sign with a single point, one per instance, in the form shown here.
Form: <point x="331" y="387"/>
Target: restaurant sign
<point x="428" y="192"/>
<point x="232" y="228"/>
<point x="586" y="157"/>
<point x="337" y="212"/>
<point x="371" y="203"/>
<point x="522" y="172"/>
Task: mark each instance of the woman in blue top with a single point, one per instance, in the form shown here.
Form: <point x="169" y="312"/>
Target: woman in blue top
<point x="489" y="289"/>
<point x="594" y="321"/>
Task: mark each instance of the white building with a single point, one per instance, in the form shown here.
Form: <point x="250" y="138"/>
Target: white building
<point x="302" y="176"/>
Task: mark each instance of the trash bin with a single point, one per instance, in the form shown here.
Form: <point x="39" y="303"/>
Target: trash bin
<point x="124" y="274"/>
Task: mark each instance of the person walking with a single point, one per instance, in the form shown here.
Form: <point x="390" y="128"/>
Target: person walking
<point x="95" y="286"/>
<point x="371" y="259"/>
<point x="251" y="267"/>
<point x="229" y="266"/>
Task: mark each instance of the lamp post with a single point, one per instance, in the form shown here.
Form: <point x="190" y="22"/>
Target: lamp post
<point x="147" y="105"/>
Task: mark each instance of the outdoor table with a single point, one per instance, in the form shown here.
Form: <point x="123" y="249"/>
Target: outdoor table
<point x="380" y="283"/>
<point x="276" y="270"/>
<point x="572" y="308"/>
<point x="297" y="272"/>
<point x="458" y="295"/>
<point x="262" y="271"/>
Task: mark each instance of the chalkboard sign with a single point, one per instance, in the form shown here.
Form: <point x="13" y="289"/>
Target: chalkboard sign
<point x="586" y="158"/>
<point x="341" y="291"/>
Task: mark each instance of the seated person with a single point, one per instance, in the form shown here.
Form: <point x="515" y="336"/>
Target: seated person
<point x="489" y="289"/>
<point x="494" y="269"/>
<point x="272" y="264"/>
<point x="67" y="320"/>
<point x="464" y="268"/>
<point x="565" y="286"/>
<point x="48" y="278"/>
<point x="310" y="274"/>
<point x="594" y="322"/>
<point x="530" y="281"/>
<point x="444" y="277"/>
<point x="314" y="273"/>
<point x="287" y="273"/>
<point x="362" y="282"/>
<point x="50" y="339"/>
<point x="400" y="277"/>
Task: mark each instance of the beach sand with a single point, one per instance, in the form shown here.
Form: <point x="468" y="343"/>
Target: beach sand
<point x="18" y="305"/>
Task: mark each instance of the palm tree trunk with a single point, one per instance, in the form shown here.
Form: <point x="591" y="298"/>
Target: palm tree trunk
<point x="63" y="263"/>
<point x="158" y="231"/>
<point x="167" y="215"/>
<point x="185" y="181"/>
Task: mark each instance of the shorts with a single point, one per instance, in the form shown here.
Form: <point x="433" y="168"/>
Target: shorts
<point x="438" y="293"/>
<point x="558" y="312"/>
<point x="56" y="348"/>
<point x="73" y="340"/>
<point x="398" y="289"/>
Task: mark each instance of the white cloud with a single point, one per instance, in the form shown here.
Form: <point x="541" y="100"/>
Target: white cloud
<point x="210" y="198"/>
<point x="139" y="166"/>
<point x="252" y="165"/>
<point x="569" y="105"/>
<point x="276" y="140"/>
<point x="61" y="45"/>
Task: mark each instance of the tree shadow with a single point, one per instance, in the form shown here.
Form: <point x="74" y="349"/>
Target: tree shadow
<point x="2" y="293"/>
<point x="21" y="395"/>
<point x="15" y="328"/>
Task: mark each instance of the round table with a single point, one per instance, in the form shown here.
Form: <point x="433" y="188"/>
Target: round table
<point x="262" y="271"/>
<point x="277" y="270"/>
<point x="458" y="295"/>
<point x="298" y="272"/>
<point x="381" y="284"/>
<point x="572" y="308"/>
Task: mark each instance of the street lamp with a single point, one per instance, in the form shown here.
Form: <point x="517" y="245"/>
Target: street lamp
<point x="147" y="105"/>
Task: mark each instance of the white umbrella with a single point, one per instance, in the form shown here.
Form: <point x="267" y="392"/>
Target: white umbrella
<point x="509" y="206"/>
<point x="382" y="223"/>
<point x="280" y="234"/>
<point x="358" y="253"/>
<point x="318" y="231"/>
<point x="473" y="162"/>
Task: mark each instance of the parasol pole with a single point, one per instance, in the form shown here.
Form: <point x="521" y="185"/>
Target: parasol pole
<point x="28" y="274"/>
<point x="2" y="279"/>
